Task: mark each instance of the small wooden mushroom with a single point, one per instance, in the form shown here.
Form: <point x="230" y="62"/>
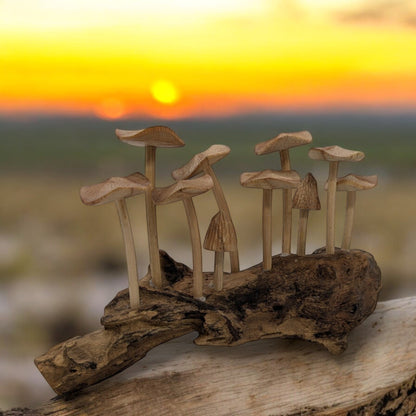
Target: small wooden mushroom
<point x="282" y="143"/>
<point x="306" y="198"/>
<point x="202" y="162"/>
<point x="351" y="184"/>
<point x="269" y="180"/>
<point x="184" y="191"/>
<point x="219" y="238"/>
<point x="151" y="138"/>
<point x="118" y="189"/>
<point x="333" y="155"/>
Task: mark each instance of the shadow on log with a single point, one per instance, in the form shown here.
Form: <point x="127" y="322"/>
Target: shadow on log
<point x="318" y="298"/>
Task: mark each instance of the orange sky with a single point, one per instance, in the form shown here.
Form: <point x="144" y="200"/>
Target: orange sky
<point x="200" y="57"/>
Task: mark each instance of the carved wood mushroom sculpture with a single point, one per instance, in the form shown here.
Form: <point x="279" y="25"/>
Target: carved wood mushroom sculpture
<point x="202" y="162"/>
<point x="184" y="191"/>
<point x="118" y="189"/>
<point x="151" y="138"/>
<point x="282" y="143"/>
<point x="333" y="155"/>
<point x="351" y="184"/>
<point x="219" y="238"/>
<point x="269" y="180"/>
<point x="306" y="198"/>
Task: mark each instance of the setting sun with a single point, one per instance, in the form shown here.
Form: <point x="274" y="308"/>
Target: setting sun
<point x="165" y="92"/>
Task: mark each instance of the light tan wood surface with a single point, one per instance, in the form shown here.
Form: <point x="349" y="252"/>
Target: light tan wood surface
<point x="267" y="228"/>
<point x="130" y="253"/>
<point x="349" y="220"/>
<point x="202" y="162"/>
<point x="335" y="154"/>
<point x="374" y="376"/>
<point x="306" y="198"/>
<point x="283" y="141"/>
<point x="158" y="136"/>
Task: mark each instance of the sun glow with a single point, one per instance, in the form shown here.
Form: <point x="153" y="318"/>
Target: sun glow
<point x="164" y="92"/>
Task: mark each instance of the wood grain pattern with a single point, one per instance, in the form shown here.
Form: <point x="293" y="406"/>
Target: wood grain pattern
<point x="319" y="298"/>
<point x="375" y="376"/>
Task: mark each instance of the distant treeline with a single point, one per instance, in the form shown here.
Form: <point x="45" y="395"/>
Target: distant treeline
<point x="71" y="145"/>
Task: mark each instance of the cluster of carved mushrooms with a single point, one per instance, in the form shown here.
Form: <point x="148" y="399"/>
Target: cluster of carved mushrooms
<point x="197" y="177"/>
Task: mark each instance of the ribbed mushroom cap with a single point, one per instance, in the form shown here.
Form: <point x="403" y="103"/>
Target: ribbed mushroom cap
<point x="113" y="189"/>
<point x="158" y="136"/>
<point x="335" y="154"/>
<point x="270" y="179"/>
<point x="351" y="183"/>
<point x="283" y="141"/>
<point x="182" y="189"/>
<point x="220" y="235"/>
<point x="306" y="195"/>
<point x="213" y="154"/>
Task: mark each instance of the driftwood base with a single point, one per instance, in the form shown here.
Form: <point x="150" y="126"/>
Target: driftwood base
<point x="319" y="298"/>
<point x="375" y="376"/>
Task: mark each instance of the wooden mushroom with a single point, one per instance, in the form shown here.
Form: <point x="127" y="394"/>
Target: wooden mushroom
<point x="202" y="162"/>
<point x="151" y="138"/>
<point x="333" y="155"/>
<point x="219" y="238"/>
<point x="118" y="189"/>
<point x="306" y="198"/>
<point x="269" y="180"/>
<point x="282" y="143"/>
<point x="351" y="184"/>
<point x="184" y="191"/>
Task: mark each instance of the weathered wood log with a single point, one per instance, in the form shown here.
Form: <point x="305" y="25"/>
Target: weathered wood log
<point x="375" y="376"/>
<point x="319" y="298"/>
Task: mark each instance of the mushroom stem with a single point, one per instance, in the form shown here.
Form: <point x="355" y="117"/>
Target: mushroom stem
<point x="330" y="222"/>
<point x="287" y="206"/>
<point x="302" y="229"/>
<point x="130" y="252"/>
<point x="218" y="270"/>
<point x="267" y="229"/>
<point x="223" y="206"/>
<point x="196" y="246"/>
<point x="349" y="220"/>
<point x="150" y="161"/>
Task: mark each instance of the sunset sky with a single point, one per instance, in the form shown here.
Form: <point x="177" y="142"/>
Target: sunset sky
<point x="185" y="58"/>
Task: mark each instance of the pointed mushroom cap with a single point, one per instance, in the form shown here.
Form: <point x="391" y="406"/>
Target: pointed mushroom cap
<point x="283" y="141"/>
<point x="220" y="235"/>
<point x="114" y="188"/>
<point x="182" y="189"/>
<point x="158" y="136"/>
<point x="270" y="179"/>
<point x="306" y="196"/>
<point x="213" y="154"/>
<point x="351" y="183"/>
<point x="335" y="154"/>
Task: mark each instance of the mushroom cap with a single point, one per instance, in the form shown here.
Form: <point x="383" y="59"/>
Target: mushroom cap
<point x="270" y="179"/>
<point x="220" y="235"/>
<point x="306" y="196"/>
<point x="213" y="154"/>
<point x="351" y="183"/>
<point x="158" y="136"/>
<point x="182" y="189"/>
<point x="335" y="154"/>
<point x="113" y="189"/>
<point x="283" y="141"/>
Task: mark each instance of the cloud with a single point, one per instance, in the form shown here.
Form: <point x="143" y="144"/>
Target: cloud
<point x="397" y="12"/>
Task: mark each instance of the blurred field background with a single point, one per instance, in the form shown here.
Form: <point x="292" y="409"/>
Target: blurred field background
<point x="234" y="72"/>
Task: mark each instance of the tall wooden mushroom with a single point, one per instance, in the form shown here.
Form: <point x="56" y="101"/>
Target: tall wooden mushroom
<point x="269" y="180"/>
<point x="282" y="143"/>
<point x="333" y="155"/>
<point x="184" y="191"/>
<point x="201" y="163"/>
<point x="306" y="198"/>
<point x="151" y="138"/>
<point x="118" y="189"/>
<point x="219" y="238"/>
<point x="351" y="184"/>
